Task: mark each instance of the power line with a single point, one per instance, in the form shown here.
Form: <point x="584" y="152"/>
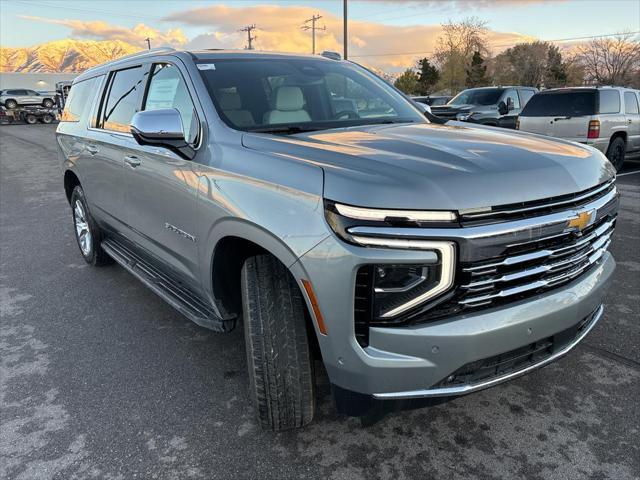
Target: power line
<point x="313" y="29"/>
<point x="250" y="38"/>
<point x="429" y="52"/>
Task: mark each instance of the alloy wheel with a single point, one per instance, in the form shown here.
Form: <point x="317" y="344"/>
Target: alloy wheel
<point x="83" y="233"/>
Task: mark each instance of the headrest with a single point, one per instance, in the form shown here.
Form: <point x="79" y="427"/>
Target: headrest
<point x="289" y="99"/>
<point x="229" y="101"/>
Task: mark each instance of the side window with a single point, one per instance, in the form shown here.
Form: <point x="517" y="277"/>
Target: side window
<point x="32" y="93"/>
<point x="122" y="99"/>
<point x="630" y="103"/>
<point x="167" y="89"/>
<point x="609" y="101"/>
<point x="525" y="96"/>
<point x="513" y="95"/>
<point x="78" y="100"/>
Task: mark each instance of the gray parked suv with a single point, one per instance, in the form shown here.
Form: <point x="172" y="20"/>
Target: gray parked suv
<point x="308" y="198"/>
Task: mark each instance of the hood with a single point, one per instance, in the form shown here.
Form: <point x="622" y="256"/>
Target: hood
<point x="441" y="167"/>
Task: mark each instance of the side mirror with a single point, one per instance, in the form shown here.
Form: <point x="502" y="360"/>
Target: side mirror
<point x="423" y="107"/>
<point x="502" y="108"/>
<point x="161" y="128"/>
<point x="510" y="105"/>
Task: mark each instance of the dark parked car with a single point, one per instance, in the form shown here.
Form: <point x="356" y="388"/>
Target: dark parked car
<point x="495" y="106"/>
<point x="433" y="100"/>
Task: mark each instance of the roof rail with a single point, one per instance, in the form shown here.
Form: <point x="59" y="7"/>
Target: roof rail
<point x="128" y="57"/>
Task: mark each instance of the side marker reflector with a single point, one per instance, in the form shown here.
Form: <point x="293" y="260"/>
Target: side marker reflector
<point x="314" y="305"/>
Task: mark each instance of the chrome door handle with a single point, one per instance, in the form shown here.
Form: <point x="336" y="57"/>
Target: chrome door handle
<point x="132" y="161"/>
<point x="92" y="149"/>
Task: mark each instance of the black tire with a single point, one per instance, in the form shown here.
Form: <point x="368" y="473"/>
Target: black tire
<point x="47" y="103"/>
<point x="277" y="345"/>
<point x="47" y="119"/>
<point x="616" y="151"/>
<point x="94" y="255"/>
<point x="11" y="104"/>
<point x="31" y="119"/>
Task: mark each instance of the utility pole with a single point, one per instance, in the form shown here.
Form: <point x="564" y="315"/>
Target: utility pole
<point x="148" y="43"/>
<point x="313" y="29"/>
<point x="344" y="28"/>
<point x="250" y="38"/>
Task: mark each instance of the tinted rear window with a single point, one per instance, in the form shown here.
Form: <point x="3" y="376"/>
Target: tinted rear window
<point x="79" y="100"/>
<point x="609" y="101"/>
<point x="572" y="103"/>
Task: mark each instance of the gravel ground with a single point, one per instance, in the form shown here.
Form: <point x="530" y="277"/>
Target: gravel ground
<point x="101" y="379"/>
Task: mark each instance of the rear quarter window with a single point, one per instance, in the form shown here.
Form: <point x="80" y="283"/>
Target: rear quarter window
<point x="630" y="103"/>
<point x="568" y="103"/>
<point x="609" y="101"/>
<point x="79" y="100"/>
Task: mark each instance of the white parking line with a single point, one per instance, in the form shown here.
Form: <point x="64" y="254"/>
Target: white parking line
<point x="627" y="173"/>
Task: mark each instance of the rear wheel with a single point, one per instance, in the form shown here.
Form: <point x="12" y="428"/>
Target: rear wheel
<point x="47" y="118"/>
<point x="616" y="151"/>
<point x="47" y="103"/>
<point x="11" y="104"/>
<point x="277" y="346"/>
<point x="31" y="119"/>
<point x="88" y="234"/>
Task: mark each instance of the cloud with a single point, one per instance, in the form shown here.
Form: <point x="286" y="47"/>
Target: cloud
<point x="101" y="30"/>
<point x="389" y="47"/>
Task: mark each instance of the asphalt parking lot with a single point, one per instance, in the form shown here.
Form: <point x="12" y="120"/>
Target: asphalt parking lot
<point x="101" y="379"/>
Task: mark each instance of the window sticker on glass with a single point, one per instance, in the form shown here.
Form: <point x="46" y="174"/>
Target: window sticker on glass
<point x="162" y="93"/>
<point x="206" y="66"/>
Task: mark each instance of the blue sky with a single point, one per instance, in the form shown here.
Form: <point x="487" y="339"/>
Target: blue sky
<point x="380" y="30"/>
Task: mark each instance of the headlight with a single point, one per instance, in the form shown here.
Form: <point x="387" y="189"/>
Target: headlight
<point x="394" y="289"/>
<point x="463" y="117"/>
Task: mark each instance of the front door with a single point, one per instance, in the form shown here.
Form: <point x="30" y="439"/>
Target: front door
<point x="161" y="187"/>
<point x="511" y="99"/>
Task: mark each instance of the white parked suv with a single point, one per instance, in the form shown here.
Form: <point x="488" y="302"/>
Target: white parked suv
<point x="607" y="118"/>
<point x="13" y="98"/>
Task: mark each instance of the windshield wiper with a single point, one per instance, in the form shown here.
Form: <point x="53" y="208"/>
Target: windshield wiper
<point x="286" y="129"/>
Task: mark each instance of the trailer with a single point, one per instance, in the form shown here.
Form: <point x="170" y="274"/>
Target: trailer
<point x="28" y="114"/>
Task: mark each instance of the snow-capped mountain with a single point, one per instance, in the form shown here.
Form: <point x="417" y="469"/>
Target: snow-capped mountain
<point x="68" y="56"/>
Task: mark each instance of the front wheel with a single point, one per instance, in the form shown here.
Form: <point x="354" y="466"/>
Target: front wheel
<point x="615" y="152"/>
<point x="88" y="234"/>
<point x="47" y="118"/>
<point x="47" y="103"/>
<point x="31" y="119"/>
<point x="277" y="346"/>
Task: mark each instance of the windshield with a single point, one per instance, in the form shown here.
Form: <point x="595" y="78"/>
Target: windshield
<point x="561" y="103"/>
<point x="477" y="96"/>
<point x="280" y="95"/>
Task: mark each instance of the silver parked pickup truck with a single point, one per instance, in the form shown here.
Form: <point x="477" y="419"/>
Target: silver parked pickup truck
<point x="312" y="202"/>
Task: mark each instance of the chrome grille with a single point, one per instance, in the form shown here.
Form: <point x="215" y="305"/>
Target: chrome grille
<point x="538" y="265"/>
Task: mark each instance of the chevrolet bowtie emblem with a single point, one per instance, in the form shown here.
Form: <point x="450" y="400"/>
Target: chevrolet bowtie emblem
<point x="582" y="220"/>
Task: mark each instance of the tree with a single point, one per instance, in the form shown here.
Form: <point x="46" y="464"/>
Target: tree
<point x="407" y="82"/>
<point x="428" y="76"/>
<point x="522" y="64"/>
<point x="455" y="48"/>
<point x="611" y="61"/>
<point x="556" y="71"/>
<point x="476" y="73"/>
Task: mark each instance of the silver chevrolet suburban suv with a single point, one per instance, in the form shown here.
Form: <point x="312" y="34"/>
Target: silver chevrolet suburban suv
<point x="312" y="202"/>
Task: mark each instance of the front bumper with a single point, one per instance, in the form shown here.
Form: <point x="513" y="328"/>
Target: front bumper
<point x="407" y="362"/>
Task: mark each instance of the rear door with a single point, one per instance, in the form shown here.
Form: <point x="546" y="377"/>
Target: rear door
<point x="33" y="97"/>
<point x="560" y="113"/>
<point x="161" y="187"/>
<point x="632" y="114"/>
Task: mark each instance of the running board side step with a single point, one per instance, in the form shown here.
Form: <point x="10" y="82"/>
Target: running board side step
<point x="180" y="298"/>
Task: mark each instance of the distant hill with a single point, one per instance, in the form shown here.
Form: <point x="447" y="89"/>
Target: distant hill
<point x="67" y="56"/>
